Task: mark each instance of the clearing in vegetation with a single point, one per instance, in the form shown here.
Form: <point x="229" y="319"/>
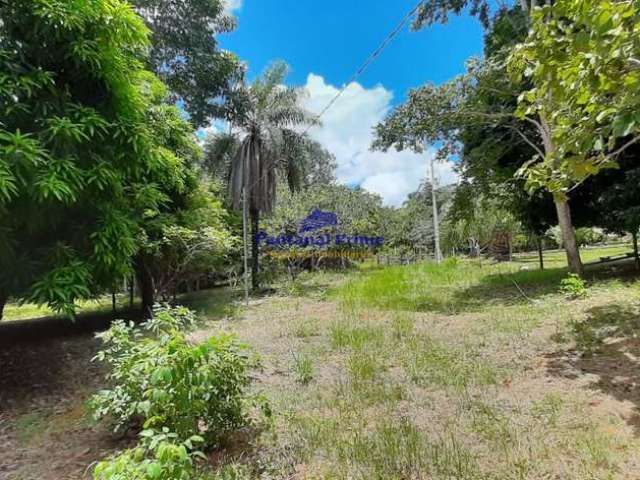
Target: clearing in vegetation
<point x="466" y="370"/>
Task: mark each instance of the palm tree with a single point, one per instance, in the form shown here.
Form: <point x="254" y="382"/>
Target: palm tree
<point x="266" y="146"/>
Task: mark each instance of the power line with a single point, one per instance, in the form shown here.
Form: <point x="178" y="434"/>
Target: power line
<point x="367" y="63"/>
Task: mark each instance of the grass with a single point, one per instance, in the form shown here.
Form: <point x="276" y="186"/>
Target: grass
<point x="468" y="370"/>
<point x="455" y="371"/>
<point x="303" y="368"/>
<point x="459" y="286"/>
<point x="453" y="287"/>
<point x="215" y="303"/>
<point x="26" y="311"/>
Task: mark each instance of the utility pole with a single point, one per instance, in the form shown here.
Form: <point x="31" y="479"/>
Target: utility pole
<point x="245" y="193"/>
<point x="436" y="222"/>
<point x="244" y="237"/>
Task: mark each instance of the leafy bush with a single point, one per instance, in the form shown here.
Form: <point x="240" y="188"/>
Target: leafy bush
<point x="159" y="457"/>
<point x="160" y="380"/>
<point x="589" y="236"/>
<point x="573" y="286"/>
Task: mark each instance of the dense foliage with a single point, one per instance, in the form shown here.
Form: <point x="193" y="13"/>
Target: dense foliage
<point x="582" y="60"/>
<point x="161" y="381"/>
<point x="80" y="168"/>
<point x="185" y="54"/>
<point x="543" y="125"/>
<point x="160" y="457"/>
<point x="268" y="115"/>
<point x="190" y="234"/>
<point x="410" y="228"/>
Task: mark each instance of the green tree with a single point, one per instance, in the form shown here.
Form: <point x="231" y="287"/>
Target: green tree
<point x="319" y="165"/>
<point x="583" y="59"/>
<point x="480" y="223"/>
<point x="438" y="11"/>
<point x="185" y="54"/>
<point x="410" y="227"/>
<point x="189" y="234"/>
<point x="271" y="147"/>
<point x="440" y="114"/>
<point x="359" y="213"/>
<point x="79" y="167"/>
<point x="492" y="152"/>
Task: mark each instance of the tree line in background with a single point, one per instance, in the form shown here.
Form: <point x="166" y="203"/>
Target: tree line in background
<point x="103" y="178"/>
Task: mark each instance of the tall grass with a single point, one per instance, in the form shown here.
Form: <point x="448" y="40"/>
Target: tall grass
<point x="454" y="286"/>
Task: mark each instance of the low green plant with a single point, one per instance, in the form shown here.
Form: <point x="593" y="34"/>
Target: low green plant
<point x="303" y="368"/>
<point x="232" y="471"/>
<point x="159" y="380"/>
<point x="306" y="327"/>
<point x="573" y="287"/>
<point x="159" y="456"/>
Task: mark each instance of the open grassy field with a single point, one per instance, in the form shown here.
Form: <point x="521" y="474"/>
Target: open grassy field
<point x="459" y="371"/>
<point x="467" y="370"/>
<point x="15" y="311"/>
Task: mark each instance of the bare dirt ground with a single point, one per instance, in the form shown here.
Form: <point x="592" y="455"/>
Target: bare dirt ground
<point x="45" y="433"/>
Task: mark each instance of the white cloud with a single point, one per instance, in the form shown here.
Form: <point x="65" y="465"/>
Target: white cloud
<point x="216" y="126"/>
<point x="232" y="5"/>
<point x="347" y="132"/>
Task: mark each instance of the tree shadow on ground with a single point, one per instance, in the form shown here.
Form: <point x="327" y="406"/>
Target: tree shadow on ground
<point x="607" y="355"/>
<point x="37" y="373"/>
<point x="523" y="286"/>
<point x="45" y="429"/>
<point x="511" y="288"/>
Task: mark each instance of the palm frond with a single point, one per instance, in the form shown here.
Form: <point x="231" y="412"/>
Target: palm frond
<point x="219" y="151"/>
<point x="269" y="116"/>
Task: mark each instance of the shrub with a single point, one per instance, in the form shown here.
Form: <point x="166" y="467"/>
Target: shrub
<point x="573" y="286"/>
<point x="160" y="380"/>
<point x="159" y="457"/>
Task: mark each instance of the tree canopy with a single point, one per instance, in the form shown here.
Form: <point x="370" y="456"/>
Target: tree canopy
<point x="80" y="168"/>
<point x="268" y="116"/>
<point x="186" y="56"/>
<point x="582" y="60"/>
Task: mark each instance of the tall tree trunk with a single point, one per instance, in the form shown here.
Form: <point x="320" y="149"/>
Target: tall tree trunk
<point x="3" y="301"/>
<point x="146" y="286"/>
<point x="635" y="250"/>
<point x="562" y="204"/>
<point x="569" y="237"/>
<point x="255" y="249"/>
<point x="540" y="253"/>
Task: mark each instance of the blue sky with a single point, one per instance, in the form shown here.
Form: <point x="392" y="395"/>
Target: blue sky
<point x="324" y="43"/>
